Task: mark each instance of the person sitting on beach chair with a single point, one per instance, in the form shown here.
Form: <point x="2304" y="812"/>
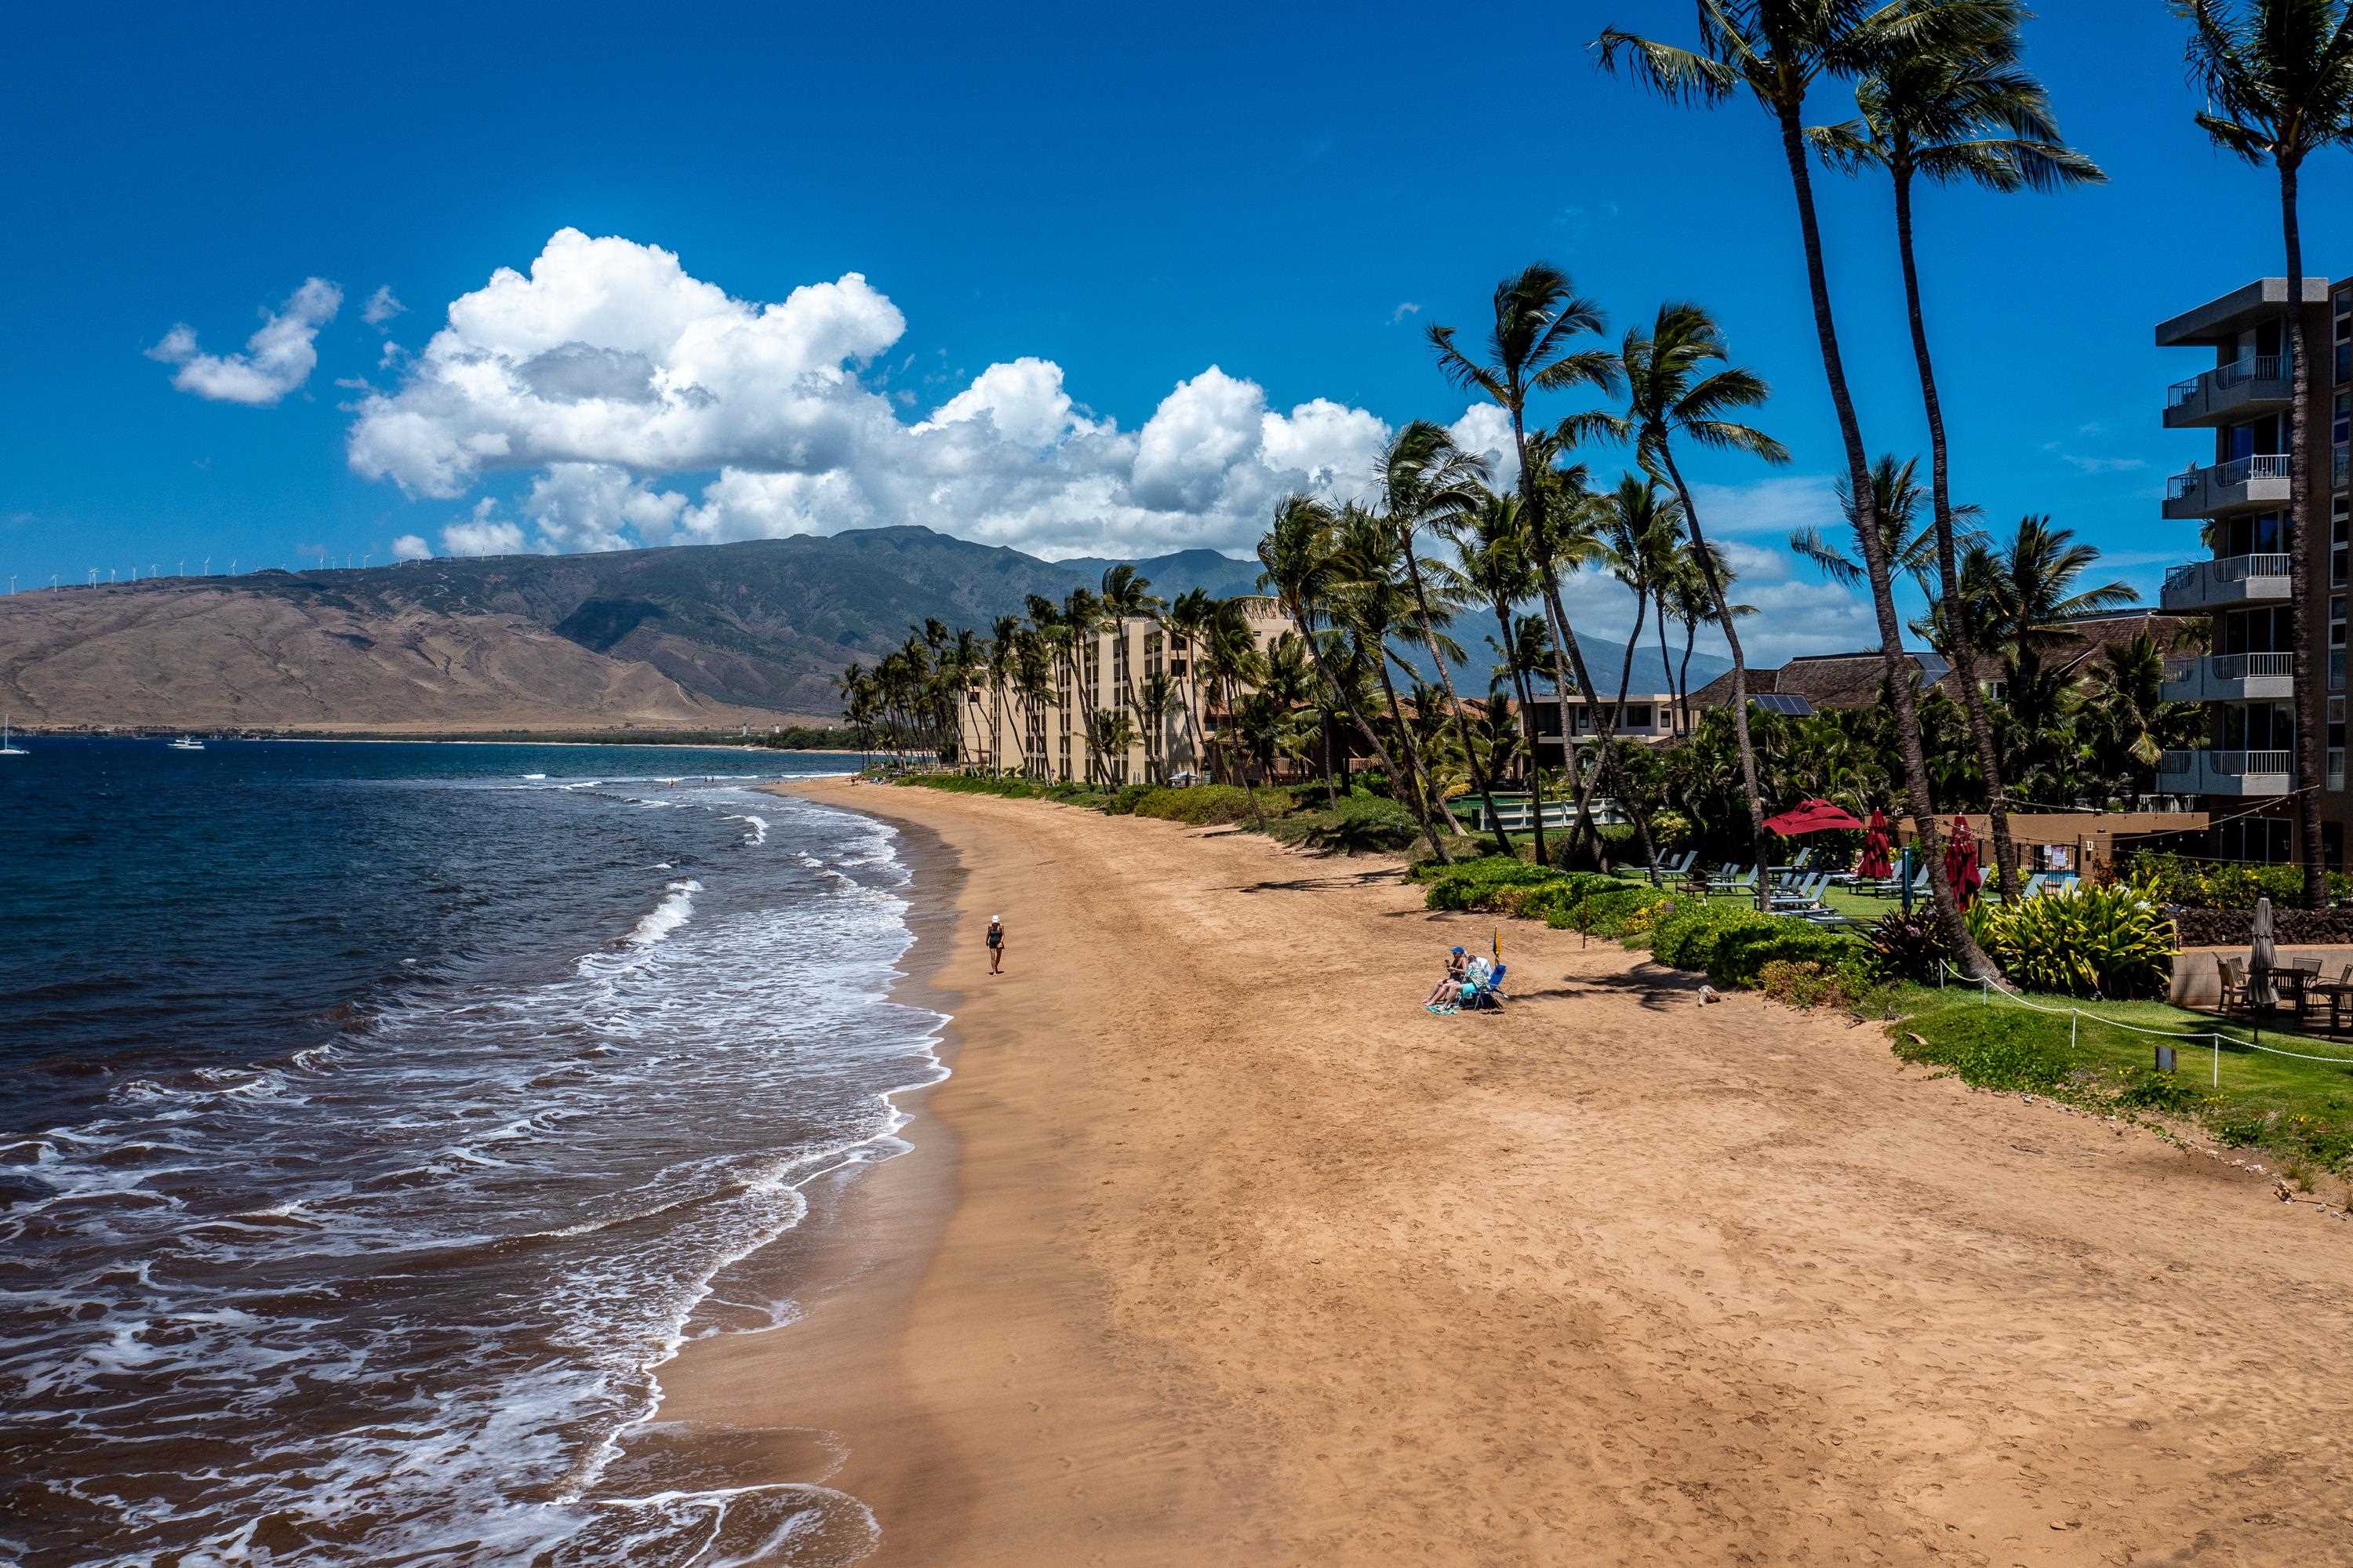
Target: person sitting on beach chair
<point x="1447" y="991"/>
<point x="1489" y="996"/>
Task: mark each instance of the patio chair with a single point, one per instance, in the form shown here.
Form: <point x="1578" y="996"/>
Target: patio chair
<point x="1490" y="997"/>
<point x="2233" y="974"/>
<point x="1806" y="891"/>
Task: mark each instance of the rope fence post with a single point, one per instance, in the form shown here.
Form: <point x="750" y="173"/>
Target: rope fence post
<point x="2216" y="1038"/>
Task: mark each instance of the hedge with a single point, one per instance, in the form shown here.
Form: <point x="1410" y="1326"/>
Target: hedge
<point x="1205" y="805"/>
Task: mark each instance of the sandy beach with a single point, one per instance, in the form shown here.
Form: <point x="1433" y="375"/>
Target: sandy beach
<point x="1217" y="1249"/>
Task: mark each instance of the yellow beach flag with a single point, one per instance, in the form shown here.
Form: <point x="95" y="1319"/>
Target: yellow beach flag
<point x="1499" y="943"/>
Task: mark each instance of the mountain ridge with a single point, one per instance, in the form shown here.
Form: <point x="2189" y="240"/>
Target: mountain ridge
<point x="688" y="636"/>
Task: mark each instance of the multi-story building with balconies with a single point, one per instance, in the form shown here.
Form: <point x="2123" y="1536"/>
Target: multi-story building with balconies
<point x="1117" y="670"/>
<point x="2250" y="518"/>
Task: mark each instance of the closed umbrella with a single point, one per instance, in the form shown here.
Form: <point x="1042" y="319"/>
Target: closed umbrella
<point x="1875" y="866"/>
<point x="1961" y="872"/>
<point x="2263" y="957"/>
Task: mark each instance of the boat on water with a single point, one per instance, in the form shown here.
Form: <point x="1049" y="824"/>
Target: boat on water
<point x="7" y="746"/>
<point x="187" y="743"/>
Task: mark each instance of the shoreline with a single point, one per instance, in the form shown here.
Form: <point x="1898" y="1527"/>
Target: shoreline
<point x="1213" y="1247"/>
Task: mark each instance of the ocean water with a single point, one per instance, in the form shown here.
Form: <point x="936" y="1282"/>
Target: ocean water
<point x="375" y="1120"/>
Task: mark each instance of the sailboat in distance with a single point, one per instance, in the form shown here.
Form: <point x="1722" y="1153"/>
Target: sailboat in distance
<point x="8" y="748"/>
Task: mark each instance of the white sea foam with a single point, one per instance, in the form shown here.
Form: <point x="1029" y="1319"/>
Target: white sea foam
<point x="591" y="1156"/>
<point x="758" y="829"/>
<point x="673" y="911"/>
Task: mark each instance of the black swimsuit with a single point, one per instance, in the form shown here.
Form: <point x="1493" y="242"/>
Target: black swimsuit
<point x="996" y="937"/>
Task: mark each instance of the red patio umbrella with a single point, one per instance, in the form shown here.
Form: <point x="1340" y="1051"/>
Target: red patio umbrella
<point x="1810" y="817"/>
<point x="1875" y="865"/>
<point x="1961" y="872"/>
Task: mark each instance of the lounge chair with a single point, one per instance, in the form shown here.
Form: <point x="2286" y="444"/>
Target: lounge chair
<point x="1745" y="882"/>
<point x="1671" y="870"/>
<point x="1490" y="997"/>
<point x="1806" y="892"/>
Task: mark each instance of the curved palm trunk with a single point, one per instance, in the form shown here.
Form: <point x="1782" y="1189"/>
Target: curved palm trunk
<point x="1426" y="803"/>
<point x="1454" y="703"/>
<point x="2311" y="739"/>
<point x="1682" y="673"/>
<point x="1746" y="746"/>
<point x="1372" y="736"/>
<point x="1557" y="622"/>
<point x="1959" y="615"/>
<point x="1527" y="722"/>
<point x="1617" y="713"/>
<point x="1676" y="718"/>
<point x="1564" y="643"/>
<point x="1875" y="554"/>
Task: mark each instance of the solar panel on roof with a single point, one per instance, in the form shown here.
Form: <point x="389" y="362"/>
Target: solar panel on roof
<point x="1787" y="704"/>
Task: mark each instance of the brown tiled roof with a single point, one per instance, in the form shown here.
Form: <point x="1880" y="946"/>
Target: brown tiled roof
<point x="1851" y="679"/>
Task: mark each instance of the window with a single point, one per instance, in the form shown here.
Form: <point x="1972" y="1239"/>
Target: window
<point x="2340" y="420"/>
<point x="1638" y="715"/>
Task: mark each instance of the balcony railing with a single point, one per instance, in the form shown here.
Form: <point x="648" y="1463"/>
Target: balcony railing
<point x="2241" y="666"/>
<point x="2228" y="475"/>
<point x="2227" y="377"/>
<point x="2235" y="579"/>
<point x="2223" y="772"/>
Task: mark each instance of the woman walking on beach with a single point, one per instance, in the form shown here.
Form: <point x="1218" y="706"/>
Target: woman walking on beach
<point x="995" y="944"/>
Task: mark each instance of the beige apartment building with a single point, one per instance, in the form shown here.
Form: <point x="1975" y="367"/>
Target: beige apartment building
<point x="1115" y="672"/>
<point x="2244" y="500"/>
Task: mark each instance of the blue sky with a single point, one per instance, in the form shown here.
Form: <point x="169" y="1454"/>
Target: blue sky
<point x="1113" y="200"/>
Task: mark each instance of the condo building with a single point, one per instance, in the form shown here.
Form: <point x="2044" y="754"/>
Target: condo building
<point x="2241" y="493"/>
<point x="1117" y="673"/>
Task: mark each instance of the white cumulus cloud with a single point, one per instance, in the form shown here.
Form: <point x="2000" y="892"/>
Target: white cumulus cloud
<point x="658" y="408"/>
<point x="276" y="359"/>
<point x="482" y="532"/>
<point x="411" y="547"/>
<point x="382" y="306"/>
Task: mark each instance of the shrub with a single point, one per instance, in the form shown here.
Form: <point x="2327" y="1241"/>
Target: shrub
<point x="1205" y="805"/>
<point x="1366" y="824"/>
<point x="1480" y="884"/>
<point x="1124" y="800"/>
<point x="1991" y="1048"/>
<point x="1615" y="913"/>
<point x="1802" y="983"/>
<point x="1743" y="950"/>
<point x="1908" y="945"/>
<point x="2224" y="884"/>
<point x="2084" y="941"/>
<point x="1685" y="939"/>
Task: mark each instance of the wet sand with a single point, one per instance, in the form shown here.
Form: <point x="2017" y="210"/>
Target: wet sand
<point x="1216" y="1248"/>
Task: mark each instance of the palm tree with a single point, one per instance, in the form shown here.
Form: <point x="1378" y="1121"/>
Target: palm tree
<point x="1777" y="50"/>
<point x="1370" y="600"/>
<point x="1302" y="563"/>
<point x="1563" y="537"/>
<point x="1531" y="348"/>
<point x="1425" y="478"/>
<point x="1959" y="110"/>
<point x="1673" y="397"/>
<point x="1641" y="531"/>
<point x="1232" y="662"/>
<point x="2278" y="79"/>
<point x="1004" y="650"/>
<point x="1492" y="567"/>
<point x="1895" y="499"/>
<point x="2026" y="590"/>
<point x="1187" y="621"/>
<point x="1126" y="597"/>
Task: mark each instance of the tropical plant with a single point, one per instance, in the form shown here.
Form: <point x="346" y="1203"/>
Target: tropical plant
<point x="2278" y="80"/>
<point x="2114" y="942"/>
<point x="1492" y="567"/>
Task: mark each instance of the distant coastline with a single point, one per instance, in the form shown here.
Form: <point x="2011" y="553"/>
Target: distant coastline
<point x="689" y="740"/>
